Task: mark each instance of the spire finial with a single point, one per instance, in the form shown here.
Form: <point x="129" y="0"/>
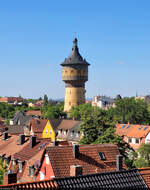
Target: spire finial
<point x="75" y="42"/>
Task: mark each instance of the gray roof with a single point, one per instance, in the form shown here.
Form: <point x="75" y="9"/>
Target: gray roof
<point x="22" y="118"/>
<point x="15" y="129"/>
<point x="75" y="57"/>
<point x="128" y="179"/>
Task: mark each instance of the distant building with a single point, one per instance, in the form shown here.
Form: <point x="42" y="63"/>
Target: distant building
<point x="74" y="74"/>
<point x="12" y="100"/>
<point x="133" y="134"/>
<point x="104" y="102"/>
<point x="145" y="98"/>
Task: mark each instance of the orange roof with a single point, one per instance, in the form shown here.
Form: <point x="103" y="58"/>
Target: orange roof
<point x="129" y="130"/>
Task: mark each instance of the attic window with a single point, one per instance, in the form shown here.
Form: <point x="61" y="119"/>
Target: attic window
<point x="101" y="155"/>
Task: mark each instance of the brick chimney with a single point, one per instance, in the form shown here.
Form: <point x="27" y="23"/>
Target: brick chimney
<point x="55" y="143"/>
<point x="32" y="141"/>
<point x="76" y="150"/>
<point x="9" y="178"/>
<point x="21" y="139"/>
<point x="75" y="170"/>
<point x="119" y="162"/>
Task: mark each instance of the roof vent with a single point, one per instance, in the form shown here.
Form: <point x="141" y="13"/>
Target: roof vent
<point x="119" y="162"/>
<point x="101" y="155"/>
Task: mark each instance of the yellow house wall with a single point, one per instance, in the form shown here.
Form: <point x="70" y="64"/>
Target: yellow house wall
<point x="48" y="132"/>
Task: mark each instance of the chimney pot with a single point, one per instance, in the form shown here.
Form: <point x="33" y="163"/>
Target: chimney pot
<point x="119" y="162"/>
<point x="21" y="139"/>
<point x="32" y="141"/>
<point x="76" y="150"/>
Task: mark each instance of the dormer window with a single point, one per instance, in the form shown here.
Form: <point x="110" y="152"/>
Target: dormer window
<point x="101" y="155"/>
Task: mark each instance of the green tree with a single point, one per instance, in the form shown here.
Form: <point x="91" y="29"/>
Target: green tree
<point x="45" y="100"/>
<point x="53" y="112"/>
<point x="143" y="158"/>
<point x="3" y="169"/>
<point x="131" y="110"/>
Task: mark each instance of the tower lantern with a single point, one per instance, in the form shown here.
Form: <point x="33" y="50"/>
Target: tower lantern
<point x="74" y="74"/>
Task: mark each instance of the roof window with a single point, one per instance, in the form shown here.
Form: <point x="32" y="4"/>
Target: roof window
<point x="145" y="128"/>
<point x="128" y="126"/>
<point x="102" y="155"/>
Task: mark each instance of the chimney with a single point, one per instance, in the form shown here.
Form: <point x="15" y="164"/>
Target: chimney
<point x="119" y="162"/>
<point x="55" y="143"/>
<point x="32" y="141"/>
<point x="76" y="150"/>
<point x="75" y="170"/>
<point x="31" y="171"/>
<point x="5" y="136"/>
<point x="21" y="139"/>
<point x="20" y="165"/>
<point x="9" y="178"/>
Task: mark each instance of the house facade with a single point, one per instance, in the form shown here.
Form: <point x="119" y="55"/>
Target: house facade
<point x="135" y="135"/>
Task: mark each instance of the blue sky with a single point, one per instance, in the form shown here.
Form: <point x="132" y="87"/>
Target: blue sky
<point x="36" y="36"/>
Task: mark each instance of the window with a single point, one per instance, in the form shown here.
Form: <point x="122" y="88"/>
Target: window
<point x="72" y="133"/>
<point x="50" y="132"/>
<point x="69" y="103"/>
<point x="137" y="141"/>
<point x="101" y="155"/>
<point x="78" y="134"/>
<point x="46" y="131"/>
<point x="129" y="140"/>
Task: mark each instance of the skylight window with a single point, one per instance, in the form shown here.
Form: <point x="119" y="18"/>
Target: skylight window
<point x="140" y="127"/>
<point x="145" y="128"/>
<point x="101" y="155"/>
<point x="128" y="126"/>
<point x="123" y="126"/>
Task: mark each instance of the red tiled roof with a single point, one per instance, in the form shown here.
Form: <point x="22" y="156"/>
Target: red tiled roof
<point x="30" y="156"/>
<point x="38" y="125"/>
<point x="7" y="99"/>
<point x="27" y="153"/>
<point x="145" y="172"/>
<point x="11" y="146"/>
<point x="137" y="131"/>
<point x="62" y="158"/>
<point x="34" y="112"/>
<point x="45" y="184"/>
